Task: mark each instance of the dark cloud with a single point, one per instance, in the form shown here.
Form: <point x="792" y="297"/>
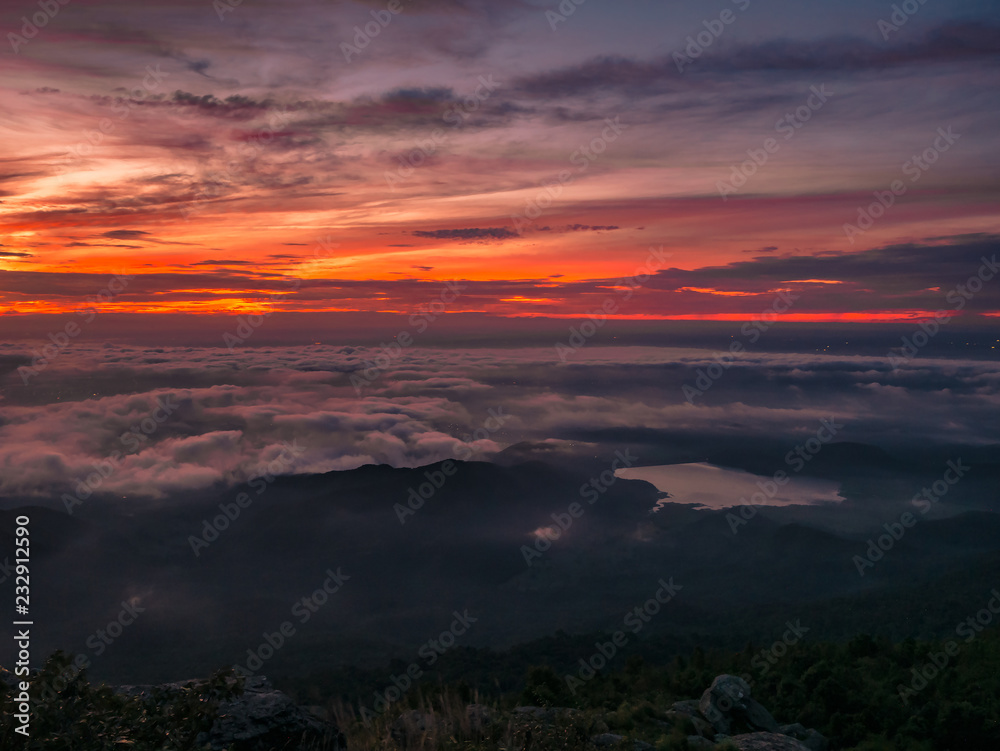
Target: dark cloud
<point x="471" y="233"/>
<point x="224" y="262"/>
<point x="13" y="254"/>
<point x="235" y="107"/>
<point x="580" y="228"/>
<point x="19" y="176"/>
<point x="908" y="264"/>
<point x="901" y="277"/>
<point x="126" y="234"/>
<point x="948" y="43"/>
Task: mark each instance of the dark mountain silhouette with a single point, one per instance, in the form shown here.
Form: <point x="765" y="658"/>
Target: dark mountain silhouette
<point x="461" y="549"/>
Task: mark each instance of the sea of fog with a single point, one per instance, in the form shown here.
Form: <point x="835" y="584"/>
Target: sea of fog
<point x="708" y="486"/>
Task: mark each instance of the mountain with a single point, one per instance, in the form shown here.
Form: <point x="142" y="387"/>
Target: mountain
<point x="203" y="596"/>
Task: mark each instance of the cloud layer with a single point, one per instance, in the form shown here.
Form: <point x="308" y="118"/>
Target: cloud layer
<point x="191" y="419"/>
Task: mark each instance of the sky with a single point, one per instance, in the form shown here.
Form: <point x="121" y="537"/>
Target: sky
<point x="684" y="160"/>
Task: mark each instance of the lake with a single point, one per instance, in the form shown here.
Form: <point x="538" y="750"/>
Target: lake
<point x="709" y="486"/>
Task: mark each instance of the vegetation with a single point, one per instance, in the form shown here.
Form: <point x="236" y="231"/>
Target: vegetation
<point x="68" y="713"/>
<point x="850" y="692"/>
<point x="862" y="694"/>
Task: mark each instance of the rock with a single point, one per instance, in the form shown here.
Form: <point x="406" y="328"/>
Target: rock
<point x="8" y="678"/>
<point x="811" y="739"/>
<point x="265" y="719"/>
<point x="688" y="706"/>
<point x="535" y="713"/>
<point x="728" y="706"/>
<point x="815" y="741"/>
<point x="548" y="714"/>
<point x="411" y="726"/>
<point x="642" y="746"/>
<point x="606" y="740"/>
<point x="675" y="717"/>
<point x="260" y="719"/>
<point x="479" y="716"/>
<point x="766" y="742"/>
<point x="697" y="743"/>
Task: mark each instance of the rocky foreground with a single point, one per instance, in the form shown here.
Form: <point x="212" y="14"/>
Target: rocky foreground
<point x="261" y="718"/>
<point x="725" y="717"/>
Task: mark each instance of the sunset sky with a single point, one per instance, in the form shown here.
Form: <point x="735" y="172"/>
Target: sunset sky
<point x="271" y="156"/>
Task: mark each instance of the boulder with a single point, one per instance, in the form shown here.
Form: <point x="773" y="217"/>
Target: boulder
<point x="547" y="714"/>
<point x="728" y="706"/>
<point x="260" y="719"/>
<point x="675" y="717"/>
<point x="812" y="739"/>
<point x="607" y="740"/>
<point x="766" y="742"/>
<point x="411" y="726"/>
<point x="9" y="678"/>
<point x="688" y="706"/>
<point x="265" y="719"/>
<point x="613" y="740"/>
<point x="479" y="715"/>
